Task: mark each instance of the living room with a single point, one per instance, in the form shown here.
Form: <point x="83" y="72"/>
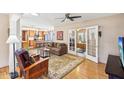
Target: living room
<point x="36" y="31"/>
<point x="66" y="46"/>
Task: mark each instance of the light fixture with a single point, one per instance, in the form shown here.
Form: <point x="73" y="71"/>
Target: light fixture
<point x="13" y="40"/>
<point x="35" y="14"/>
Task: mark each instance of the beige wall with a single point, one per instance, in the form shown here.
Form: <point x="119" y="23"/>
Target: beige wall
<point x="4" y="50"/>
<point x="111" y="27"/>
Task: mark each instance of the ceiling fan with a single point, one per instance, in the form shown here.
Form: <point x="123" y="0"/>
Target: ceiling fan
<point x="68" y="16"/>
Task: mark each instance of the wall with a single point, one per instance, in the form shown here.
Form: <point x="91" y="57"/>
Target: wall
<point x="111" y="27"/>
<point x="33" y="24"/>
<point x="4" y="48"/>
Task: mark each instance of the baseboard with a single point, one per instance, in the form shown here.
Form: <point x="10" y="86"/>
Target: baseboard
<point x="4" y="66"/>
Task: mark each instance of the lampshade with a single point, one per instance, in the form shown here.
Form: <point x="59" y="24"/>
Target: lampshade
<point x="12" y="39"/>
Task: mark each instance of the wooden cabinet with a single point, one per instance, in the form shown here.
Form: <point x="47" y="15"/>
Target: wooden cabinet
<point x="24" y="35"/>
<point x="41" y="35"/>
<point x="30" y="37"/>
<point x="31" y="33"/>
<point x="25" y="44"/>
<point x="24" y="39"/>
<point x="32" y="43"/>
<point x="81" y="45"/>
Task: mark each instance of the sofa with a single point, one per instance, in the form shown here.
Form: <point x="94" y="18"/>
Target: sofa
<point x="56" y="48"/>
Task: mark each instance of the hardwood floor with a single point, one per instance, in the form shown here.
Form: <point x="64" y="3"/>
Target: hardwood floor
<point x="86" y="70"/>
<point x="4" y="73"/>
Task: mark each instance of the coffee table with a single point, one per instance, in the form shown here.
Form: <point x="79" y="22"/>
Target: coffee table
<point x="44" y="52"/>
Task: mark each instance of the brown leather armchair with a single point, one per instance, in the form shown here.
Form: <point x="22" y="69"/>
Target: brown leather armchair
<point x="31" y="66"/>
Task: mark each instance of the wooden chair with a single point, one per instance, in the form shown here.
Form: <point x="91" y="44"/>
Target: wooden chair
<point x="31" y="66"/>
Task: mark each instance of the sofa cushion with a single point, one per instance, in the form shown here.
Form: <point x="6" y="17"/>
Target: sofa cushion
<point x="48" y="47"/>
<point x="49" y="44"/>
<point x="54" y="44"/>
<point x="55" y="49"/>
<point x="32" y="60"/>
<point x="58" y="45"/>
<point x="46" y="44"/>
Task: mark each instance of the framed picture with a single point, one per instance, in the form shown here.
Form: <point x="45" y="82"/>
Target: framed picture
<point x="59" y="35"/>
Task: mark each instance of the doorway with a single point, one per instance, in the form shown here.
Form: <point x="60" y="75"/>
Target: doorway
<point x="84" y="43"/>
<point x="81" y="42"/>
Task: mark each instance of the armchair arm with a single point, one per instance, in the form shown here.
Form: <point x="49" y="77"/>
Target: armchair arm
<point x="35" y="57"/>
<point x="35" y="64"/>
<point x="63" y="48"/>
<point x="35" y="68"/>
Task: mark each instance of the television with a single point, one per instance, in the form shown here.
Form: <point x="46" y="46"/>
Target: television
<point x="121" y="49"/>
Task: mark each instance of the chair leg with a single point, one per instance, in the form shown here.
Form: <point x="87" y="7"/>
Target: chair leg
<point x="27" y="75"/>
<point x="20" y="73"/>
<point x="46" y="73"/>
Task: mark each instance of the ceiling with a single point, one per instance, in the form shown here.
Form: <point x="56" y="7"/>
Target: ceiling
<point x="49" y="19"/>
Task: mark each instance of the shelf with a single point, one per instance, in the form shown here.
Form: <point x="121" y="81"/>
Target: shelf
<point x="28" y="38"/>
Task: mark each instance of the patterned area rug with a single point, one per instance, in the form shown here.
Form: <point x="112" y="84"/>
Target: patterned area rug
<point x="59" y="66"/>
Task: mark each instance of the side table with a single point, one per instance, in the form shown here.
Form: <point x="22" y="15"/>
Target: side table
<point x="44" y="52"/>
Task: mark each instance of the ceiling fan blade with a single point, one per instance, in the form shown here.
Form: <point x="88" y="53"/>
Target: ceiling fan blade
<point x="76" y="17"/>
<point x="63" y="19"/>
<point x="71" y="19"/>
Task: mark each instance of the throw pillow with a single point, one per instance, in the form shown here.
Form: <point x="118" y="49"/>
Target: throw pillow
<point x="50" y="44"/>
<point x="58" y="45"/>
<point x="32" y="60"/>
<point x="26" y="61"/>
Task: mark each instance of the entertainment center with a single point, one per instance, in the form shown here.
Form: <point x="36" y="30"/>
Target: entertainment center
<point x="115" y="64"/>
<point x="114" y="67"/>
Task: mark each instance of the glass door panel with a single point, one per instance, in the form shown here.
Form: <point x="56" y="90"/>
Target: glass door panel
<point x="72" y="41"/>
<point x="92" y="43"/>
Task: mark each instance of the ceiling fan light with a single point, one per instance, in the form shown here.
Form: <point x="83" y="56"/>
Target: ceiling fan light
<point x="35" y="14"/>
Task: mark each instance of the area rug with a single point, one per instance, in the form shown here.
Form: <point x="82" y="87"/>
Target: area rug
<point x="59" y="66"/>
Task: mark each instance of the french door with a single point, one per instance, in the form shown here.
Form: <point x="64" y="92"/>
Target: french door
<point x="72" y="41"/>
<point x="92" y="43"/>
